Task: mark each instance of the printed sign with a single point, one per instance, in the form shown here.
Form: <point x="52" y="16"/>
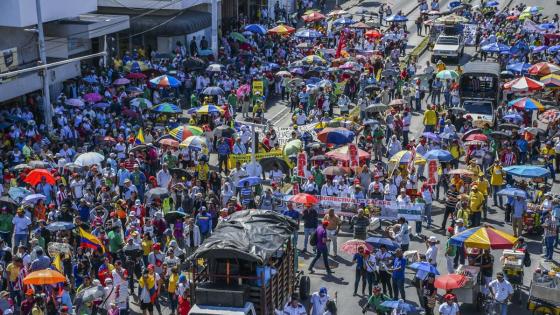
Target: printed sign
<point x="432" y="172"/>
<point x="309" y="128"/>
<point x="301" y="164"/>
<point x="245" y="158"/>
<point x="258" y="86"/>
<point x="353" y="155"/>
<point x="284" y="134"/>
<point x="411" y="212"/>
<point x="8" y="59"/>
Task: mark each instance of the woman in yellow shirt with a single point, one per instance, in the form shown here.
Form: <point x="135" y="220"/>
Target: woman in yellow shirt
<point x="146" y="246"/>
<point x="171" y="288"/>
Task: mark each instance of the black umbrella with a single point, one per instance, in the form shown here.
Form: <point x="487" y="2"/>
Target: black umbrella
<point x="268" y="164"/>
<point x="6" y="201"/>
<point x="158" y="193"/>
<point x="499" y="135"/>
<point x="224" y="131"/>
<point x="172" y="216"/>
<point x="141" y="147"/>
<point x="471" y="132"/>
<point x="508" y="126"/>
<point x="180" y="172"/>
<point x="194" y="63"/>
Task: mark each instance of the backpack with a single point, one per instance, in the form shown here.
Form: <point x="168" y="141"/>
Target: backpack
<point x="313" y="239"/>
<point x="527" y="259"/>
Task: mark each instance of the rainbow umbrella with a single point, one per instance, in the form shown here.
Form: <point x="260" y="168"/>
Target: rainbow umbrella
<point x="209" y="109"/>
<point x="183" y="132"/>
<point x="194" y="142"/>
<point x="281" y="30"/>
<point x="484" y="237"/>
<point x="404" y="156"/>
<point x="526" y="103"/>
<point x="140" y="102"/>
<point x="165" y="81"/>
<point x="551" y="80"/>
<point x="167" y="108"/>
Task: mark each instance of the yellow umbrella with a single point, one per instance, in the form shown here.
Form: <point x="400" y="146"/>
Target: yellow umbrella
<point x="404" y="156"/>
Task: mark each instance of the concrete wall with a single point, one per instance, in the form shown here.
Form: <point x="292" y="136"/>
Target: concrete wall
<point x="23" y="13"/>
<point x="25" y="42"/>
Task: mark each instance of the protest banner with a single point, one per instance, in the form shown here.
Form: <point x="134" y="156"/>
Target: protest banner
<point x="411" y="212"/>
<point x="309" y="128"/>
<point x="245" y="158"/>
<point x="353" y="155"/>
<point x="432" y="172"/>
<point x="284" y="134"/>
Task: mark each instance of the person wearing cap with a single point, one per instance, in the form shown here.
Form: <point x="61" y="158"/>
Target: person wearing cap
<point x="450" y="307"/>
<point x="428" y="293"/>
<point x="476" y="201"/>
<point x="319" y="301"/>
<point x="322" y="249"/>
<point x="374" y="302"/>
<point x="519" y="209"/>
<point x="294" y="307"/>
<point x="484" y="187"/>
<point x="204" y="222"/>
<point x="432" y="250"/>
<point x="502" y="292"/>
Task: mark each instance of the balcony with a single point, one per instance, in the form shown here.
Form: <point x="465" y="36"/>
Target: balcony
<point x="23" y="13"/>
<point x="152" y="4"/>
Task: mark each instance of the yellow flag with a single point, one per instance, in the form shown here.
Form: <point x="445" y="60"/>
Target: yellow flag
<point x="57" y="263"/>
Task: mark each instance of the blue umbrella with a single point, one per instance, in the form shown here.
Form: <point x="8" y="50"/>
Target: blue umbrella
<point x="512" y="192"/>
<point x="252" y="180"/>
<point x="90" y="79"/>
<point x="256" y="28"/>
<point x="491" y="4"/>
<point x="518" y="67"/>
<point x="454" y="4"/>
<point x="101" y="105"/>
<point x="539" y="49"/>
<point x="430" y="135"/>
<point x="519" y="48"/>
<point x="547" y="26"/>
<point x="438" y="154"/>
<point x="313" y="80"/>
<point x="396" y="18"/>
<point x="343" y="21"/>
<point x="553" y="49"/>
<point x="449" y="136"/>
<point x="18" y="192"/>
<point x="378" y="241"/>
<point x="527" y="171"/>
<point x="496" y="47"/>
<point x="60" y="226"/>
<point x="399" y="305"/>
<point x="424" y="266"/>
<point x="308" y="34"/>
<point x="336" y="136"/>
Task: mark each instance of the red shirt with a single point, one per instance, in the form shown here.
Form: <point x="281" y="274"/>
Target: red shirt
<point x="184" y="306"/>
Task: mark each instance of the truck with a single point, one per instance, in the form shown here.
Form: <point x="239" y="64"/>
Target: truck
<point x="479" y="90"/>
<point x="247" y="267"/>
<point x="448" y="47"/>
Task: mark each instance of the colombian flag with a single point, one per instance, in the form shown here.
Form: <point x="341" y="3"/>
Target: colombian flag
<point x="88" y="240"/>
<point x="140" y="137"/>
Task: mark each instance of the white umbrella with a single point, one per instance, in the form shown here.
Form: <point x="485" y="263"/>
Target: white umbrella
<point x="215" y="68"/>
<point x="141" y="102"/>
<point x="33" y="198"/>
<point x="89" y="158"/>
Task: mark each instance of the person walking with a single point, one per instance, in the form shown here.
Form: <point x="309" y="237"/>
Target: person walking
<point x="497" y="180"/>
<point x="550" y="227"/>
<point x="502" y="292"/>
<point x="383" y="259"/>
<point x="371" y="267"/>
<point x="450" y="307"/>
<point x="519" y="210"/>
<point x="398" y="270"/>
<point x="360" y="273"/>
<point x="322" y="249"/>
<point x="332" y="229"/>
<point x="450" y="204"/>
<point x="309" y="217"/>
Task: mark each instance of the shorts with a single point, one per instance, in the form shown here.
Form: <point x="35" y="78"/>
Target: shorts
<point x="147" y="306"/>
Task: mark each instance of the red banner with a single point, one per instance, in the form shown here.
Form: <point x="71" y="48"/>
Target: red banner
<point x="301" y="164"/>
<point x="432" y="172"/>
<point x="353" y="155"/>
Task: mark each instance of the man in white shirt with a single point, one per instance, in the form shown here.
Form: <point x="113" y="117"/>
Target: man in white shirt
<point x="77" y="185"/>
<point x="501" y="291"/>
<point x="319" y="301"/>
<point x="450" y="307"/>
<point x="294" y="307"/>
<point x="163" y="176"/>
<point x="432" y="251"/>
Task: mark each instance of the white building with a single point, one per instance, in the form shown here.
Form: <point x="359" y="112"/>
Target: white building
<point x="70" y="30"/>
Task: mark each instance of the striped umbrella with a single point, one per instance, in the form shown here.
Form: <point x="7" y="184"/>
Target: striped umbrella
<point x="167" y="108"/>
<point x="335" y="135"/>
<point x="448" y="74"/>
<point x="344" y="21"/>
<point x="404" y="156"/>
<point x="523" y="84"/>
<point x="549" y="115"/>
<point x="165" y="81"/>
<point x="543" y="68"/>
<point x="209" y="109"/>
<point x="194" y="143"/>
<point x="551" y="80"/>
<point x="484" y="237"/>
<point x="183" y="132"/>
<point x="527" y="104"/>
<point x="281" y="30"/>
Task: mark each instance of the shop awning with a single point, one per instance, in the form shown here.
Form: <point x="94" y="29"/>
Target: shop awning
<point x="171" y="24"/>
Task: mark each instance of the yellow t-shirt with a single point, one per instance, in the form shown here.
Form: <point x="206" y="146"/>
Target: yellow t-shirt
<point x="548" y="152"/>
<point x="13" y="272"/>
<point x="203" y="171"/>
<point x="482" y="186"/>
<point x="147" y="247"/>
<point x="172" y="285"/>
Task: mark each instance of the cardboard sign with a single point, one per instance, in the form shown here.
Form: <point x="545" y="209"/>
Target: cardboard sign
<point x="283" y="134"/>
<point x="353" y="155"/>
<point x="309" y="128"/>
<point x="301" y="164"/>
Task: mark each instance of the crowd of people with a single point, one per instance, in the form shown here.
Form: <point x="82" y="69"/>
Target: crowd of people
<point x="139" y="166"/>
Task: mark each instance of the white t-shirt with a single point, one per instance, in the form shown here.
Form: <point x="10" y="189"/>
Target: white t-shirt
<point x="21" y="224"/>
<point x="501" y="290"/>
<point x="431" y="254"/>
<point x="319" y="303"/>
<point x="446" y="309"/>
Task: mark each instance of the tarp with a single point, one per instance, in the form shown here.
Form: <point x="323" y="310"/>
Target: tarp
<point x="253" y="235"/>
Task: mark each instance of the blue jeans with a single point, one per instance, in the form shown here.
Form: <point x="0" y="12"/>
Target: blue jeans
<point x="20" y="238"/>
<point x="307" y="232"/>
<point x="549" y="244"/>
<point x="495" y="190"/>
<point x="501" y="308"/>
<point x="428" y="214"/>
<point x="398" y="286"/>
<point x="476" y="216"/>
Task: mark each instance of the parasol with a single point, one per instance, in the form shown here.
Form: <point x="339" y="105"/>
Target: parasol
<point x="89" y="158"/>
<point x="157" y="193"/>
<point x="44" y="276"/>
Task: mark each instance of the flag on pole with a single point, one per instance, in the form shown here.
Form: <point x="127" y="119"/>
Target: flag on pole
<point x="140" y="137"/>
<point x="88" y="240"/>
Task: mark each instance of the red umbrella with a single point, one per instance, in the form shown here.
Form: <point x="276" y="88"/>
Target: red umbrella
<point x="512" y="18"/>
<point x="523" y="84"/>
<point x="313" y="17"/>
<point x="304" y="198"/>
<point x="543" y="68"/>
<point x="34" y="177"/>
<point x="136" y="76"/>
<point x="373" y="34"/>
<point x="477" y="137"/>
<point x="351" y="247"/>
<point x="450" y="282"/>
<point x="169" y="142"/>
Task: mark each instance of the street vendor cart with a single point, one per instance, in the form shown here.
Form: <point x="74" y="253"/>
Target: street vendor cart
<point x="247" y="265"/>
<point x="512" y="265"/>
<point x="544" y="291"/>
<point x="470" y="292"/>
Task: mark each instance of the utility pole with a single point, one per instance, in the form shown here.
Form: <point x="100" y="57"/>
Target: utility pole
<point x="254" y="168"/>
<point x="47" y="108"/>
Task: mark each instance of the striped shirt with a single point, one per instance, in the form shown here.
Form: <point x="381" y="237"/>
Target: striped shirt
<point x="549" y="227"/>
<point x="451" y="199"/>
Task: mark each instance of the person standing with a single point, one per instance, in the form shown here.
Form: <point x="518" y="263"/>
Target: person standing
<point x="497" y="180"/>
<point x="21" y="225"/>
<point x="398" y="269"/>
<point x="321" y="248"/>
<point x="450" y="307"/>
<point x="476" y="200"/>
<point x="360" y="273"/>
<point x="383" y="258"/>
<point x="501" y="291"/>
<point x="550" y="228"/>
<point x="332" y="229"/>
<point x="309" y="217"/>
<point x="319" y="301"/>
<point x="371" y="267"/>
<point x="519" y="209"/>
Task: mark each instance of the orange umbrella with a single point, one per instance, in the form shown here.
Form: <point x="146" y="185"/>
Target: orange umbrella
<point x="45" y="276"/>
<point x="281" y="30"/>
<point x="373" y="34"/>
<point x="34" y="177"/>
<point x="313" y="17"/>
<point x="450" y="282"/>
